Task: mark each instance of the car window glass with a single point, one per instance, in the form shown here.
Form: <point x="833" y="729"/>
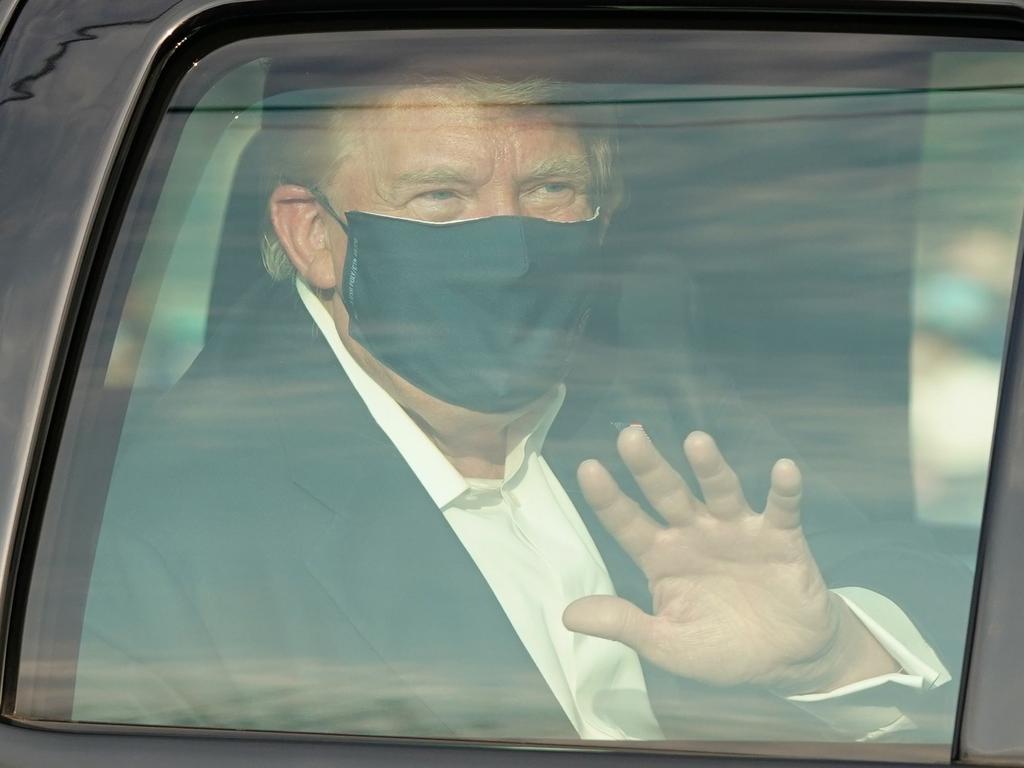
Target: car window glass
<point x="572" y="386"/>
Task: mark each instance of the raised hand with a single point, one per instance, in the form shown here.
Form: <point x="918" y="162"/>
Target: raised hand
<point x="738" y="597"/>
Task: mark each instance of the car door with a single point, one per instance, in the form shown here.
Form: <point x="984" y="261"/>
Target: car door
<point x="808" y="222"/>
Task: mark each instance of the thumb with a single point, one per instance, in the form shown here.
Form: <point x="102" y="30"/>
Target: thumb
<point x="611" y="618"/>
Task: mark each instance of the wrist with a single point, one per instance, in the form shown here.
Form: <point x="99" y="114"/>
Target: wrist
<point x="852" y="654"/>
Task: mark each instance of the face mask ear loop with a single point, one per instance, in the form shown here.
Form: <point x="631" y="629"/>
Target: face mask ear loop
<point x="321" y="198"/>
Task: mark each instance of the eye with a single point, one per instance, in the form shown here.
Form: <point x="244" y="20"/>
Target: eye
<point x="439" y="195"/>
<point x="552" y="190"/>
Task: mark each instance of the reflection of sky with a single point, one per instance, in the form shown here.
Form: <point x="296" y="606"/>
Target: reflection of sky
<point x="769" y="243"/>
<point x="798" y="224"/>
<point x="792" y="220"/>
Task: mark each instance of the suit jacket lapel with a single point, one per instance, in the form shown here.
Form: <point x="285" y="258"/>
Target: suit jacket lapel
<point x="573" y="440"/>
<point x="568" y="444"/>
<point x="391" y="563"/>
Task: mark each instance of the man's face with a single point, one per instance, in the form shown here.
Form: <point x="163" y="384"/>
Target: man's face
<point x="424" y="157"/>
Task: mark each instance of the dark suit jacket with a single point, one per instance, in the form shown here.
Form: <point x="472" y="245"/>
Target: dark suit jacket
<point x="267" y="560"/>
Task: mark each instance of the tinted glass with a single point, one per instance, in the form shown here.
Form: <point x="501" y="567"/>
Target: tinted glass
<point x="573" y="386"/>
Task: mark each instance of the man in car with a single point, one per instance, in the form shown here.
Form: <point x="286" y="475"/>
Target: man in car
<point x="372" y="505"/>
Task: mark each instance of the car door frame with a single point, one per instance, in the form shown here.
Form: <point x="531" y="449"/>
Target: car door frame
<point x="46" y="303"/>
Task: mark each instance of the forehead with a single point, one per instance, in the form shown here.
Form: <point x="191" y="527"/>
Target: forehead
<point x="417" y="123"/>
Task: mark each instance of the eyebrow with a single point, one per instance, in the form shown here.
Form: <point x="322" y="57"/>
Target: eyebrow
<point x="572" y="166"/>
<point x="443" y="174"/>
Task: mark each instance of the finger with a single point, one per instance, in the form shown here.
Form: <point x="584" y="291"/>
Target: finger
<point x="612" y="618"/>
<point x="783" y="506"/>
<point x="664" y="488"/>
<point x="622" y="516"/>
<point x="723" y="495"/>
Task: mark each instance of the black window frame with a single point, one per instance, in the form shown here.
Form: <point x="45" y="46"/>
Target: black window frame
<point x="156" y="39"/>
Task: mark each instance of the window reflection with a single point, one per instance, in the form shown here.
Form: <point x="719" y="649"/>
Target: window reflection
<point x="447" y="493"/>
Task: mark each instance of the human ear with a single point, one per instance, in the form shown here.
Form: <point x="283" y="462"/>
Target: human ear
<point x="304" y="235"/>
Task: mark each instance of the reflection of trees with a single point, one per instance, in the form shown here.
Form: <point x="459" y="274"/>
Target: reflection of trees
<point x="307" y="695"/>
<point x="304" y="695"/>
<point x="962" y="299"/>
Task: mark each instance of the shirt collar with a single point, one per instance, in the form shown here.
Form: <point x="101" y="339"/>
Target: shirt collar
<point x="436" y="474"/>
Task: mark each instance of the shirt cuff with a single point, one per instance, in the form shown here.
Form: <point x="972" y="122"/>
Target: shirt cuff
<point x="920" y="668"/>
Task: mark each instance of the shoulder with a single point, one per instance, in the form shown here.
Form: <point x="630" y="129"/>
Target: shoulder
<point x="215" y="447"/>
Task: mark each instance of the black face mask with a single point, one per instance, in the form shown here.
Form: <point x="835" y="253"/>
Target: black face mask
<point x="483" y="314"/>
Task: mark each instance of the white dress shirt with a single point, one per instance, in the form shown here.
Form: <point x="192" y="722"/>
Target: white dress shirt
<point x="532" y="548"/>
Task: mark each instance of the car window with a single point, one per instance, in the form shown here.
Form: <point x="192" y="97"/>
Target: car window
<point x="572" y="387"/>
